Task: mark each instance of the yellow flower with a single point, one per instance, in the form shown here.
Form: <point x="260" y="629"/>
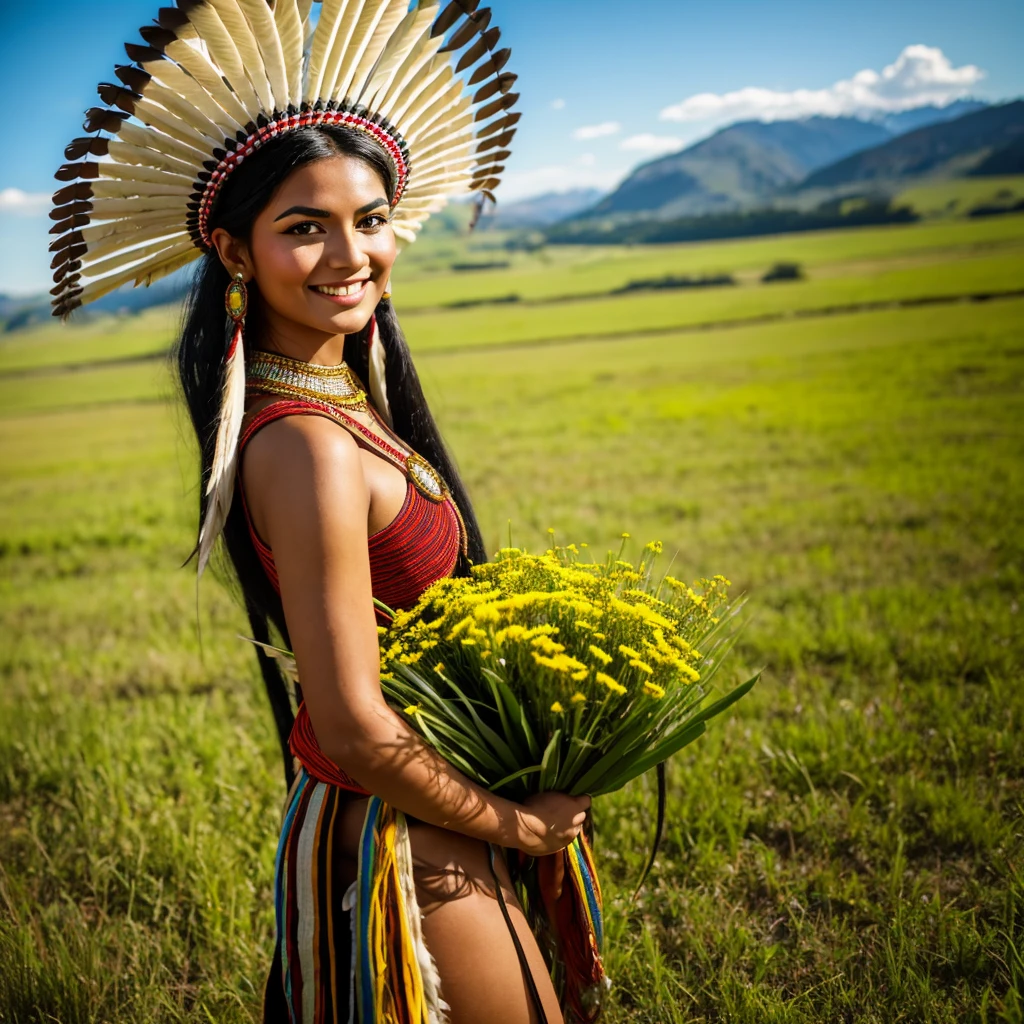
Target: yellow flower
<point x="439" y="667"/>
<point x="642" y="665"/>
<point x="600" y="655"/>
<point x="613" y="684"/>
<point x="557" y="708"/>
<point x="628" y="652"/>
<point x="413" y="709"/>
<point x="625" y="536"/>
<point x="468" y="641"/>
<point x="578" y="698"/>
<point x="654" y="690"/>
<point x="653" y="546"/>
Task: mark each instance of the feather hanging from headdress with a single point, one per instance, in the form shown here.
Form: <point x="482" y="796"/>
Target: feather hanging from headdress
<point x="221" y="484"/>
<point x="378" y="372"/>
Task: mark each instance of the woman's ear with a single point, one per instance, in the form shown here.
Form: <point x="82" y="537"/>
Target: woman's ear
<point x="233" y="253"/>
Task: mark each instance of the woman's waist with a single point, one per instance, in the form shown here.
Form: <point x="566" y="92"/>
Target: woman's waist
<point x="304" y="747"/>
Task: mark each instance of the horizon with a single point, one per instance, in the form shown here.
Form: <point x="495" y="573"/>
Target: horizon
<point x="586" y="127"/>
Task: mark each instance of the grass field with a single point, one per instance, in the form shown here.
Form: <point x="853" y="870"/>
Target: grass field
<point x="845" y="847"/>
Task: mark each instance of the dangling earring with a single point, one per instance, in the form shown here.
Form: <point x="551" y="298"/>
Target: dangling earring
<point x="387" y="290"/>
<point x="221" y="485"/>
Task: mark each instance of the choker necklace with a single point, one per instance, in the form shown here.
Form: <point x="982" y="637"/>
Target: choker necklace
<point x="292" y="378"/>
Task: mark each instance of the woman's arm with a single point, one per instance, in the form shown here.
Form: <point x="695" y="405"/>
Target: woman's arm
<point x="306" y="490"/>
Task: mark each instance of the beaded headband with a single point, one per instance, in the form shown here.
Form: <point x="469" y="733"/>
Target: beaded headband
<point x="219" y="79"/>
<point x="390" y="142"/>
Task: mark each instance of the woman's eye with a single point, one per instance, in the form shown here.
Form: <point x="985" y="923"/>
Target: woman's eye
<point x="374" y="221"/>
<point x="306" y="227"/>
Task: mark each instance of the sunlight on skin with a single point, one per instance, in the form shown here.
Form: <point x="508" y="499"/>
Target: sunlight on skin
<point x="327" y="225"/>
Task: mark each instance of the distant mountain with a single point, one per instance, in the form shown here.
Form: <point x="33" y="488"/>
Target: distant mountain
<point x="921" y="117"/>
<point x="543" y="210"/>
<point x="948" y="149"/>
<point x="738" y="166"/>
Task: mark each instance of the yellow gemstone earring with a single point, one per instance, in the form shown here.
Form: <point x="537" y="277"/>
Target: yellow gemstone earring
<point x="387" y="290"/>
<point x="236" y="298"/>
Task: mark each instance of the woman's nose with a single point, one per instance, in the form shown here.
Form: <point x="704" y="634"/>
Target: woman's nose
<point x="343" y="251"/>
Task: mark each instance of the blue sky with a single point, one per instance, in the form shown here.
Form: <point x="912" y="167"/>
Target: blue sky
<point x="605" y="85"/>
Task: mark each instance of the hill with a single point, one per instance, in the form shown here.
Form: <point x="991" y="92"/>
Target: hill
<point x="738" y="166"/>
<point x="540" y="211"/>
<point x="949" y="149"/>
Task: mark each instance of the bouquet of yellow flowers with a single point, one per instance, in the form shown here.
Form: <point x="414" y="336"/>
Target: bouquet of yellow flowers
<point x="548" y="672"/>
<point x="551" y="672"/>
<point x="554" y="673"/>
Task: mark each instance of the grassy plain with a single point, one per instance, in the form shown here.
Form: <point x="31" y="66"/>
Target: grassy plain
<point x="845" y="847"/>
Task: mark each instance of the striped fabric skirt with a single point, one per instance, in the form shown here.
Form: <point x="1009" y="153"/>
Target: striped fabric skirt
<point x="310" y="980"/>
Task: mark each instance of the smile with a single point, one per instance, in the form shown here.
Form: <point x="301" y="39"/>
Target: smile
<point x="339" y="289"/>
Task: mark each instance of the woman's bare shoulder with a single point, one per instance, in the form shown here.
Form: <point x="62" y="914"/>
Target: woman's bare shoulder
<point x="295" y="456"/>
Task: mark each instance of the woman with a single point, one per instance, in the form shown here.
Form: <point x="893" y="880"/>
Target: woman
<point x="342" y="497"/>
<point x="306" y="223"/>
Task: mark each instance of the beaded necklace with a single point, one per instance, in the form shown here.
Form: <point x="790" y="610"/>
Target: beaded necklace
<point x="337" y="388"/>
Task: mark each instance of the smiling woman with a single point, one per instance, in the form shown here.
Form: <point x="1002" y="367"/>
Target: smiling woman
<point x="293" y="161"/>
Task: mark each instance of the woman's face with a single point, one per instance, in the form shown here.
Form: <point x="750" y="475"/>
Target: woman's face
<point x="322" y="249"/>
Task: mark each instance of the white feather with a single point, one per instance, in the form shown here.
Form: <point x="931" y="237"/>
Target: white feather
<point x="288" y="20"/>
<point x="143" y="137"/>
<point x="225" y="55"/>
<point x="265" y="30"/>
<point x="378" y="377"/>
<point x="375" y="25"/>
<point x="239" y="30"/>
<point x="221" y="485"/>
<point x="124" y="153"/>
<point x="336" y="17"/>
<point x="437" y="1009"/>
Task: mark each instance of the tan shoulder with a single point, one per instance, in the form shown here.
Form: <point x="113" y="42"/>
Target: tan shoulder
<point x="294" y="447"/>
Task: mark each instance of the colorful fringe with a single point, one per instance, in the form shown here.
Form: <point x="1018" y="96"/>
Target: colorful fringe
<point x="396" y="979"/>
<point x="580" y="932"/>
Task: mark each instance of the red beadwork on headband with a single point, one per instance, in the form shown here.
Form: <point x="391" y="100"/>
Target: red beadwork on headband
<point x="284" y="124"/>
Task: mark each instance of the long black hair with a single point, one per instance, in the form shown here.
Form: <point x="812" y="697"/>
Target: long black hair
<point x="199" y="358"/>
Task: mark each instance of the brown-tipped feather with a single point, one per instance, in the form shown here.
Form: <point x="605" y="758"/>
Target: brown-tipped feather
<point x="70" y="193"/>
<point x="474" y="23"/>
<point x="451" y="14"/>
<point x="478" y="49"/>
<point x="89" y="146"/>
<point x="499" y="124"/>
<point x="71" y="209"/>
<point x="79" y="220"/>
<point x="496" y="140"/>
<point x="71" y="172"/>
<point x="500" y="83"/>
<point x="135" y="78"/>
<point x="155" y="36"/>
<point x="143" y="54"/>
<point x="491" y="66"/>
<point x="71" y="238"/>
<point x="99" y="120"/>
<point x="172" y="18"/>
<point x="501" y="103"/>
<point x="118" y="96"/>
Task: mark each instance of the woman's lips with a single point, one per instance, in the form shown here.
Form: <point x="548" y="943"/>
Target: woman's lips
<point x="342" y="295"/>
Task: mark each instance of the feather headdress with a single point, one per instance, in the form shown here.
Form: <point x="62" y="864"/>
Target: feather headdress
<point x="216" y="80"/>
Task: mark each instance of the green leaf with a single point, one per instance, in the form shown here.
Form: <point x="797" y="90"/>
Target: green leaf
<point x="549" y="763"/>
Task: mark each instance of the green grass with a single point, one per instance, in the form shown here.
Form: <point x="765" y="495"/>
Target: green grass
<point x="862" y="265"/>
<point x="958" y="196"/>
<point x="845" y="846"/>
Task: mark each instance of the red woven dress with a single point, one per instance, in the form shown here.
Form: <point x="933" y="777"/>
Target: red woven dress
<point x="311" y="974"/>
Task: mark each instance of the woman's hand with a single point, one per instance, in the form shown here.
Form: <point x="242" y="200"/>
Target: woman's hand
<point x="549" y="822"/>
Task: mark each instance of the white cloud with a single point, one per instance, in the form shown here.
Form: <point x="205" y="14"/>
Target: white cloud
<point x="648" y="143"/>
<point x="921" y="75"/>
<point x="587" y="159"/>
<point x="596" y="131"/>
<point x="558" y="104"/>
<point x="23" y="204"/>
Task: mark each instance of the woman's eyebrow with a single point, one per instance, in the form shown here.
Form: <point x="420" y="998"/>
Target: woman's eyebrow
<point x="371" y="206"/>
<point x="308" y="211"/>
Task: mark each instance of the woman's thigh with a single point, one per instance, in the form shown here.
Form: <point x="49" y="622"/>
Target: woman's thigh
<point x="481" y="978"/>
